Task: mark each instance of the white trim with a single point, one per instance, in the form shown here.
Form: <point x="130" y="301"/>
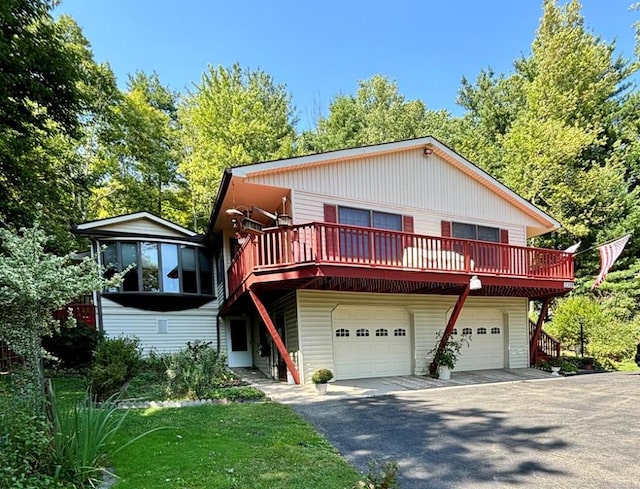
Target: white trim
<point x="168" y="240"/>
<point x="133" y="217"/>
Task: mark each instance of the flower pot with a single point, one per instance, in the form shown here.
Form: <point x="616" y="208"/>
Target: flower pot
<point x="444" y="372"/>
<point x="555" y="371"/>
<point x="321" y="389"/>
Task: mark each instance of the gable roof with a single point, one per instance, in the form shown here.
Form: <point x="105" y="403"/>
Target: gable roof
<point x="427" y="143"/>
<point x="86" y="228"/>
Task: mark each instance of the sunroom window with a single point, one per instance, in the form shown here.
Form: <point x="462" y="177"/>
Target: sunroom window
<point x="158" y="267"/>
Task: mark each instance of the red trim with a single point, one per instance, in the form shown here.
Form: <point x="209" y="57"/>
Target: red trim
<point x="276" y="337"/>
<point x="445" y="229"/>
<point x="504" y="236"/>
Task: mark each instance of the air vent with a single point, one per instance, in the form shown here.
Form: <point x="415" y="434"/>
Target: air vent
<point x="162" y="326"/>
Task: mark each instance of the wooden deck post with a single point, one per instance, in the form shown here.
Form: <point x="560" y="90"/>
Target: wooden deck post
<point x="274" y="334"/>
<point x="450" y="325"/>
<point x="533" y="347"/>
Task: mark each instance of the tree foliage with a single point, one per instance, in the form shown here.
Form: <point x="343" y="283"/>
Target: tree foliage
<point x="233" y="117"/>
<point x="138" y="158"/>
<point x="48" y="80"/>
<point x="377" y="113"/>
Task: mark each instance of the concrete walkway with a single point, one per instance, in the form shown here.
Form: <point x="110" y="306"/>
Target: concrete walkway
<point x="361" y="388"/>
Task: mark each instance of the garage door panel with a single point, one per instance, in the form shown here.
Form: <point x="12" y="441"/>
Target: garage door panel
<point x="487" y="340"/>
<point x="377" y="355"/>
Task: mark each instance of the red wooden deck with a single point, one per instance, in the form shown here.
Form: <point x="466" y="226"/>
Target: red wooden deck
<point x="333" y="256"/>
<point x="84" y="313"/>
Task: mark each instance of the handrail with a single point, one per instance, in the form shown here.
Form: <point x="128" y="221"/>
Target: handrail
<point x="328" y="243"/>
<point x="547" y="344"/>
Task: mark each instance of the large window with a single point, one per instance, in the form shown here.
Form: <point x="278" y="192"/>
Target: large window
<point x="359" y="243"/>
<point x="158" y="267"/>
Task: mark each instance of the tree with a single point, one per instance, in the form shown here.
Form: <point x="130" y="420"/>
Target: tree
<point x="33" y="284"/>
<point x="233" y="117"/>
<point x="138" y="159"/>
<point x="378" y="113"/>
<point x="44" y="96"/>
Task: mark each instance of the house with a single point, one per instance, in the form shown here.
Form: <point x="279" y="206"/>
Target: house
<point x="351" y="260"/>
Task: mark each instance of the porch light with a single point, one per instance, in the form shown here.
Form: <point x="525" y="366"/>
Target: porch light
<point x="475" y="283"/>
<point x="284" y="220"/>
<point x="250" y="226"/>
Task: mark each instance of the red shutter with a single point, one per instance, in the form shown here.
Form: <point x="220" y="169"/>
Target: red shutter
<point x="331" y="234"/>
<point x="407" y="224"/>
<point x="330" y="213"/>
<point x="506" y="263"/>
<point x="445" y="227"/>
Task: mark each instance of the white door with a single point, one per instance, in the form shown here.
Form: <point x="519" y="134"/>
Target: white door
<point x="371" y="342"/>
<point x="239" y="343"/>
<point x="486" y="348"/>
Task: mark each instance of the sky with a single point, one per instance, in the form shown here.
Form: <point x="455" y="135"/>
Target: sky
<point x="322" y="49"/>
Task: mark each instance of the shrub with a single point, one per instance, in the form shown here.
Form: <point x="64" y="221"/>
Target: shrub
<point x="606" y="338"/>
<point x="241" y="393"/>
<point x="381" y="475"/>
<point x="73" y="347"/>
<point x="24" y="440"/>
<point x="322" y="376"/>
<point x="116" y="362"/>
<point x="196" y="370"/>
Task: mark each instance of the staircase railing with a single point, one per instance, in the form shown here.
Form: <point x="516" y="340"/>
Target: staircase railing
<point x="547" y="346"/>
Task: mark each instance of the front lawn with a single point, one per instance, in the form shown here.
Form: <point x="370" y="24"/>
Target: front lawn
<point x="244" y="445"/>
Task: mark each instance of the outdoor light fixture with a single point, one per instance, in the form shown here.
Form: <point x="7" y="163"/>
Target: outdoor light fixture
<point x="427" y="151"/>
<point x="474" y="283"/>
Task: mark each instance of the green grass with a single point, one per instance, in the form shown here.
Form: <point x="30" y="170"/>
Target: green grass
<point x="627" y="366"/>
<point x="248" y="446"/>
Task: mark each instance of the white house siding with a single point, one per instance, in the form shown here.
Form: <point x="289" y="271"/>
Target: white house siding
<point x="143" y="226"/>
<point x="182" y="326"/>
<point x="428" y="315"/>
<point x="406" y="181"/>
<point x="309" y="207"/>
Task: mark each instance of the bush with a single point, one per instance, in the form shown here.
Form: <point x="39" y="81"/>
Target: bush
<point x="196" y="370"/>
<point x="73" y="347"/>
<point x="606" y="338"/>
<point x="381" y="475"/>
<point x="322" y="376"/>
<point x="242" y="393"/>
<point x="25" y="460"/>
<point x="116" y="362"/>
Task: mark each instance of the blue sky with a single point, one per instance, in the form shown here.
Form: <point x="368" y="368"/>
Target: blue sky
<point x="320" y="49"/>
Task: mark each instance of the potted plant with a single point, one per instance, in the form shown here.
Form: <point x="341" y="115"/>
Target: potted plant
<point x="320" y="379"/>
<point x="445" y="359"/>
<point x="556" y="365"/>
<point x="587" y="363"/>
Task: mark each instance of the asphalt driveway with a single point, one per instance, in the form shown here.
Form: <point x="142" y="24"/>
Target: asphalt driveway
<point x="576" y="432"/>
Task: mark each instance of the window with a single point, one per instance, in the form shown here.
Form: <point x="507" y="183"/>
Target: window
<point x="472" y="231"/>
<point x="467" y="331"/>
<point x="481" y="331"/>
<point x="342" y="333"/>
<point x="382" y="332"/>
<point x="362" y="332"/>
<point x="495" y="330"/>
<point x="358" y="243"/>
<point x="400" y="332"/>
<point x="158" y="267"/>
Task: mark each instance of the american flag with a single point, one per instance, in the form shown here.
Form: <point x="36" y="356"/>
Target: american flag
<point x="609" y="253"/>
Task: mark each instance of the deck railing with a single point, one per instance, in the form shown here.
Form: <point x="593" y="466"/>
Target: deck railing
<point x="324" y="243"/>
<point x="84" y="313"/>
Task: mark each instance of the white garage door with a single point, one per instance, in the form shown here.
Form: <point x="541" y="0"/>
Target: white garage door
<point x="487" y="345"/>
<point x="371" y="342"/>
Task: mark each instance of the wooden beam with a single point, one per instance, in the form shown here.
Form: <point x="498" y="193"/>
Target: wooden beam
<point x="274" y="334"/>
<point x="533" y="347"/>
<point x="451" y="324"/>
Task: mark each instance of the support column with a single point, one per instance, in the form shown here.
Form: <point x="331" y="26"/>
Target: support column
<point x="533" y="347"/>
<point x="274" y="334"/>
<point x="451" y="324"/>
